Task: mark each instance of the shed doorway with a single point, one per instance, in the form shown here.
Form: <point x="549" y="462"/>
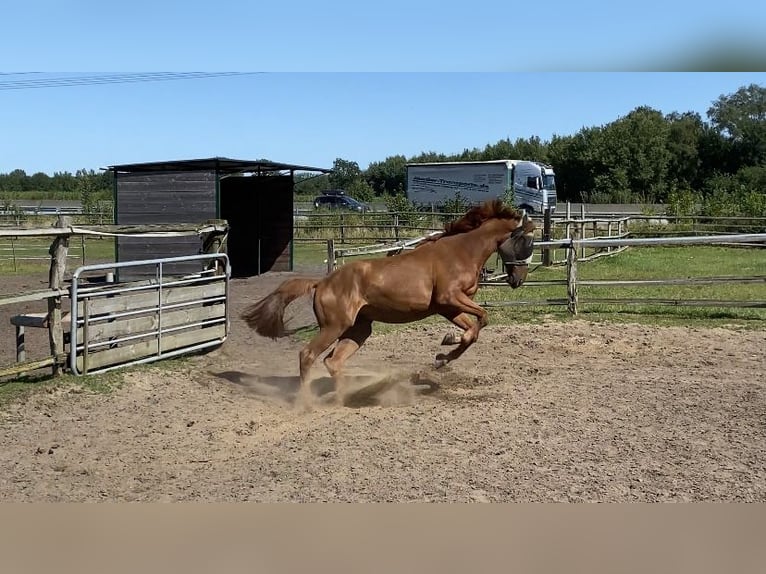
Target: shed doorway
<point x="259" y="210"/>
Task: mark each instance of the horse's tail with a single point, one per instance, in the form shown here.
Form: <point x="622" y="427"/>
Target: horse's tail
<point x="267" y="315"/>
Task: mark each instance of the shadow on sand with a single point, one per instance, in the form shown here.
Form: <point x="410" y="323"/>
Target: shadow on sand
<point x="362" y="390"/>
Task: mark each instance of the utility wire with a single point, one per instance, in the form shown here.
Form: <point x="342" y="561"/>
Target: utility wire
<point x="90" y="80"/>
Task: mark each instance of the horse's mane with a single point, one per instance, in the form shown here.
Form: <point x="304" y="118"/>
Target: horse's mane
<point x="491" y="209"/>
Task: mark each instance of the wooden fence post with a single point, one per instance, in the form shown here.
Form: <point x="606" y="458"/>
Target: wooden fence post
<point x="58" y="252"/>
<point x="212" y="242"/>
<point x="13" y="254"/>
<point x="572" y="277"/>
<point x="330" y="256"/>
<point x="547" y="236"/>
<point x="609" y="234"/>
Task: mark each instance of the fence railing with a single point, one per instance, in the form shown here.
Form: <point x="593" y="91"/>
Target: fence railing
<point x="377" y="227"/>
<point x="600" y="227"/>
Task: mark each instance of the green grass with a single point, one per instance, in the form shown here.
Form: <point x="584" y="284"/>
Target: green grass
<point x="22" y="388"/>
<point x="96" y="250"/>
<point x="649" y="263"/>
<point x="309" y="253"/>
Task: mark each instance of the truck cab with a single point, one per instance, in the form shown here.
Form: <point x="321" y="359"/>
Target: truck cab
<point x="534" y="186"/>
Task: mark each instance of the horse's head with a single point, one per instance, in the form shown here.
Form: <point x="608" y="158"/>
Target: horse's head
<point x="516" y="252"/>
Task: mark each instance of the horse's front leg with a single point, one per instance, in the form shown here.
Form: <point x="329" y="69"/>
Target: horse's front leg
<point x="461" y="313"/>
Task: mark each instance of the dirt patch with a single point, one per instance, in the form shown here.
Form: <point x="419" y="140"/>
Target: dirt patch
<point x="542" y="412"/>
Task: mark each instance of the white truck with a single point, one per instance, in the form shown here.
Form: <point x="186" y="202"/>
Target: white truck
<point x="533" y="183"/>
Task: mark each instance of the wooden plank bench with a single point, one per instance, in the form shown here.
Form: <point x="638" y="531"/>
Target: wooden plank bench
<point x="38" y="320"/>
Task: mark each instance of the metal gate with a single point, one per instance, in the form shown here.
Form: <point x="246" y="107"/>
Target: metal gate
<point x="118" y="324"/>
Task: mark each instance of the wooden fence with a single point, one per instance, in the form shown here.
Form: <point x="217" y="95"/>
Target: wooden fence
<point x="575" y="246"/>
<point x="593" y="228"/>
<point x="609" y="236"/>
<point x="212" y="236"/>
<point x="377" y="227"/>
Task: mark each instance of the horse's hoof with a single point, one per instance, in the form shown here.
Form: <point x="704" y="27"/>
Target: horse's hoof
<point x="451" y="339"/>
<point x="440" y="361"/>
<point x="304" y="402"/>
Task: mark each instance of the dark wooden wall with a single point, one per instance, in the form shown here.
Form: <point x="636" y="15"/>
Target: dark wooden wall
<point x="162" y="197"/>
<point x="258" y="208"/>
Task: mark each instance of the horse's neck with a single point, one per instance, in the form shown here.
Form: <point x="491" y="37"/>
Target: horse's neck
<point x="482" y="242"/>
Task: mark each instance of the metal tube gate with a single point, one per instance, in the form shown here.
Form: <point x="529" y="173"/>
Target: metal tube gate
<point x="118" y="324"/>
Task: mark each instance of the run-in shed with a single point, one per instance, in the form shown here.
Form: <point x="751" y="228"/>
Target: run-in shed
<point x="255" y="197"/>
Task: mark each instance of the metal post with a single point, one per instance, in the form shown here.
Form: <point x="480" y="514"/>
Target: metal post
<point x="159" y="309"/>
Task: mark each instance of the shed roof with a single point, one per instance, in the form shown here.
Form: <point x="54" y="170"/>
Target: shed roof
<point x="219" y="164"/>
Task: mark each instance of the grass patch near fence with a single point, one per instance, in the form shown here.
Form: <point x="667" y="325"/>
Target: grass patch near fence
<point x="639" y="263"/>
<point x="30" y="254"/>
<point x="19" y="389"/>
<point x="23" y="388"/>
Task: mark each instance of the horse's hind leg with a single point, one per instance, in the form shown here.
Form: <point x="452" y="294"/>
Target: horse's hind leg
<point x="319" y="344"/>
<point x="349" y="343"/>
<point x="462" y="317"/>
<point x="462" y="320"/>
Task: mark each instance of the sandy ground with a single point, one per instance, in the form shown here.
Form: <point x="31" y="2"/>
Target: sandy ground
<point x="541" y="412"/>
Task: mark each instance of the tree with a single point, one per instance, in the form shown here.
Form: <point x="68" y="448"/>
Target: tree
<point x="639" y="141"/>
<point x="63" y="181"/>
<point x="88" y="188"/>
<point x="16" y="181"/>
<point x="310" y="183"/>
<point x="741" y="118"/>
<point x="684" y="137"/>
<point x="573" y="158"/>
<point x="40" y="182"/>
<point x="346" y="175"/>
<point x="388" y="177"/>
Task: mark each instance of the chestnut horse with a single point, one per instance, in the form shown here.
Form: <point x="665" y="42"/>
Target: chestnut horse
<point x="439" y="276"/>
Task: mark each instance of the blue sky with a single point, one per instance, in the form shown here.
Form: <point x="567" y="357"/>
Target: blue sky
<point x="313" y="118"/>
<point x="345" y="35"/>
<point x="356" y="80"/>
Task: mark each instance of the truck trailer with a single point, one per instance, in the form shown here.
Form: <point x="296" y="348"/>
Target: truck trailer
<point x="533" y="183"/>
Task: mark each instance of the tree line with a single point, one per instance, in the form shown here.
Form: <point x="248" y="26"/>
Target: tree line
<point x="714" y="166"/>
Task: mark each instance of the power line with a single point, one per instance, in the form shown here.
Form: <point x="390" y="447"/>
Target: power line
<point x="91" y="80"/>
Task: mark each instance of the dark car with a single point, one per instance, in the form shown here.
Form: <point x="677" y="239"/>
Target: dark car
<point x="339" y="201"/>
